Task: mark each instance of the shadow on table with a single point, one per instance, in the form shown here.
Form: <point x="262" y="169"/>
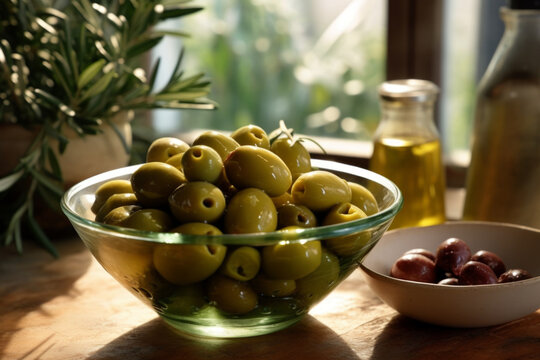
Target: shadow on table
<point x="29" y="280"/>
<point x="308" y="339"/>
<point x="405" y="338"/>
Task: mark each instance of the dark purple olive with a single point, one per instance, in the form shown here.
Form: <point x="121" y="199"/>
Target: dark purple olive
<point x="414" y="267"/>
<point x="476" y="273"/>
<point x="490" y="259"/>
<point x="514" y="275"/>
<point x="421" y="251"/>
<point x="451" y="255"/>
<point x="449" y="281"/>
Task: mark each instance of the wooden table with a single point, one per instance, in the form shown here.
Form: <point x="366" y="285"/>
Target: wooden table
<point x="71" y="308"/>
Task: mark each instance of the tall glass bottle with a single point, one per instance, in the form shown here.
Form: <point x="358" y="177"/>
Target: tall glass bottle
<point x="503" y="180"/>
<point x="407" y="150"/>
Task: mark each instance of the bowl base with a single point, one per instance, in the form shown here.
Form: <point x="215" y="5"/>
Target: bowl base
<point x="226" y="330"/>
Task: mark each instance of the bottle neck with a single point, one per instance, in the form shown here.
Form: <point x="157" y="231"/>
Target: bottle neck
<point x="407" y="120"/>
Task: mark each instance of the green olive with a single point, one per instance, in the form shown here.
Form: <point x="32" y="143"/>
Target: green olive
<point x="363" y="198"/>
<point x="162" y="149"/>
<point x="319" y="190"/>
<point x="176" y="161"/>
<point x="349" y="244"/>
<point x="250" y="211"/>
<point x="251" y="166"/>
<point x="296" y="215"/>
<point x="242" y="263"/>
<point x="149" y="220"/>
<point x="313" y="287"/>
<point x="283" y="199"/>
<point x="183" y="264"/>
<point x="251" y="135"/>
<point x="231" y="296"/>
<point x="197" y="228"/>
<point x="202" y="163"/>
<point x="107" y="189"/>
<point x="185" y="300"/>
<point x="197" y="201"/>
<point x="291" y="261"/>
<point x="273" y="287"/>
<point x="294" y="154"/>
<point x="222" y="143"/>
<point x="153" y="182"/>
<point x="114" y="201"/>
<point x="117" y="215"/>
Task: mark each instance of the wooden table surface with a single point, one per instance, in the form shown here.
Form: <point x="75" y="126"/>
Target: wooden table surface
<point x="71" y="308"/>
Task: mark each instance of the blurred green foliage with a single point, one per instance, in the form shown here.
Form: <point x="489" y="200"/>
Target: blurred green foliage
<point x="271" y="60"/>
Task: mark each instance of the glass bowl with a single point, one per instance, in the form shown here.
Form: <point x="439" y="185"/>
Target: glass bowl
<point x="128" y="255"/>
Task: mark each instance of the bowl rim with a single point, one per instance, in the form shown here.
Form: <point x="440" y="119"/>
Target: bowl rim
<point x="269" y="238"/>
<point x="429" y="286"/>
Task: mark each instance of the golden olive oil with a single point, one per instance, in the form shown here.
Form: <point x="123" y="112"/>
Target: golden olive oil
<point x="415" y="166"/>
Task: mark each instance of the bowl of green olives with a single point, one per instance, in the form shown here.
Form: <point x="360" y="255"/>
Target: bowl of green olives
<point x="234" y="235"/>
<point x="463" y="274"/>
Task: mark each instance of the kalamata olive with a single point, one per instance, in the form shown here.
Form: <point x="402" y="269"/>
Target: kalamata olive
<point x="319" y="190"/>
<point x="197" y="201"/>
<point x="490" y="259"/>
<point x="363" y="198"/>
<point x="250" y="211"/>
<point x="452" y="254"/>
<point x="251" y="166"/>
<point x="273" y="287"/>
<point x="114" y="201"/>
<point x="149" y="220"/>
<point x="350" y="244"/>
<point x="414" y="267"/>
<point x="514" y="275"/>
<point x="153" y="182"/>
<point x="294" y="154"/>
<point x="314" y="286"/>
<point x="422" y="251"/>
<point x="251" y="135"/>
<point x="164" y="148"/>
<point x="291" y="261"/>
<point x="296" y="215"/>
<point x="202" y="163"/>
<point x="231" y="296"/>
<point x="242" y="263"/>
<point x="105" y="190"/>
<point x="187" y="264"/>
<point x="220" y="142"/>
<point x="449" y="281"/>
<point x="476" y="273"/>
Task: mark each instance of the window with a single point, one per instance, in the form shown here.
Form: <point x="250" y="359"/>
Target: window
<point x="317" y="64"/>
<point x="314" y="64"/>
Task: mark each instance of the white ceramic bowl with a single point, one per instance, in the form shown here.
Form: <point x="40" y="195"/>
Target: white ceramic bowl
<point x="459" y="306"/>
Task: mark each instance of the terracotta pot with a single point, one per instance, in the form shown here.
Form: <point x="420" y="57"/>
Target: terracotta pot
<point x="84" y="156"/>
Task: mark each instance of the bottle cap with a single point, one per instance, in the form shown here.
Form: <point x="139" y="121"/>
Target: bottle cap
<point x="523" y="4"/>
<point x="408" y="90"/>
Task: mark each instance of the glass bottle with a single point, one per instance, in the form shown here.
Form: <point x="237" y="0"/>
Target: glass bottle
<point x="504" y="175"/>
<point x="407" y="150"/>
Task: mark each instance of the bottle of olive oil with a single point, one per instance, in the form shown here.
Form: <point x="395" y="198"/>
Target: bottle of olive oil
<point x="504" y="174"/>
<point x="407" y="150"/>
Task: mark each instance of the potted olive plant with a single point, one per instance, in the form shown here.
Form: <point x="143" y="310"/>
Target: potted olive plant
<point x="71" y="77"/>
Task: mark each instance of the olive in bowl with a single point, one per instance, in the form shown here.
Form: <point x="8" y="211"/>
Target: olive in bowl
<point x="203" y="280"/>
<point x="470" y="298"/>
